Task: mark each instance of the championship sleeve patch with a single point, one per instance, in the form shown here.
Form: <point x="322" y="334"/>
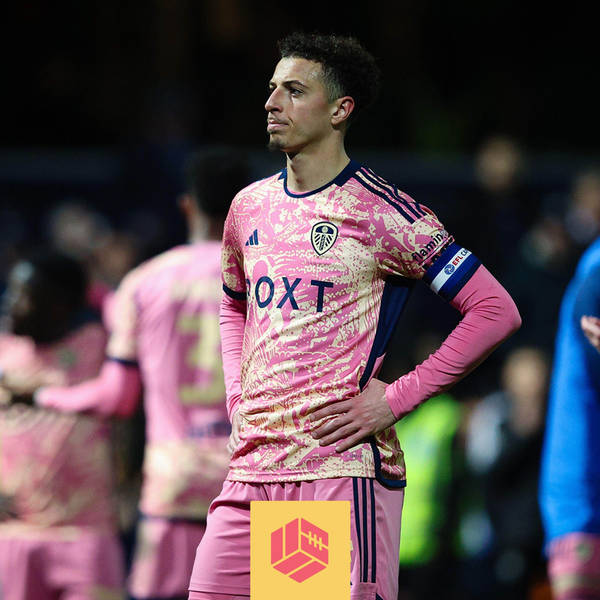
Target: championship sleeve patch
<point x="451" y="271"/>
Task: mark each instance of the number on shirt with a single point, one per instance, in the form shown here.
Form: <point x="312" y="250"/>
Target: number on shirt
<point x="204" y="356"/>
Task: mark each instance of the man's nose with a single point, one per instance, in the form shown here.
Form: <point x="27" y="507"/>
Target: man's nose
<point x="272" y="104"/>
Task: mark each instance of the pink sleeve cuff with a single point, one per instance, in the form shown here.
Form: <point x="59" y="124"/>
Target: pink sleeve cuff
<point x="489" y="317"/>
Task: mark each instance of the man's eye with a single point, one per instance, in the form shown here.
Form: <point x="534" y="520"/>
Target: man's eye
<point x="295" y="91"/>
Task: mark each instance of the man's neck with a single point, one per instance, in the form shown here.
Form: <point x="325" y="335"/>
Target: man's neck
<point x="205" y="231"/>
<point x="309" y="169"/>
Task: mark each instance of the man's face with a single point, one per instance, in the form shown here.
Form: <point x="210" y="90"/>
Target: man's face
<point x="298" y="110"/>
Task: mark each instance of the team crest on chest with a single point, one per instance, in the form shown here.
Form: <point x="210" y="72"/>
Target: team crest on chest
<point x="322" y="236"/>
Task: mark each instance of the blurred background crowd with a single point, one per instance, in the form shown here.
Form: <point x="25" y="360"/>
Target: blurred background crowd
<point x="487" y="116"/>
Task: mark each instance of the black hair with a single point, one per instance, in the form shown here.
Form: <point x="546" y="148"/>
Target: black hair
<point x="348" y="68"/>
<point x="61" y="277"/>
<point x="214" y="176"/>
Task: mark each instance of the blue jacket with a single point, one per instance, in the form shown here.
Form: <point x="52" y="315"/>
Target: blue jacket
<point x="570" y="473"/>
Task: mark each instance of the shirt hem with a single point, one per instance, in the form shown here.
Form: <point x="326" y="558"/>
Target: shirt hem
<point x="263" y="477"/>
<point x="219" y="589"/>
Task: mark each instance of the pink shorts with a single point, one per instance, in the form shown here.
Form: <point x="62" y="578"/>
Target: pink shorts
<point x="574" y="566"/>
<point x="222" y="564"/>
<point x="81" y="566"/>
<point x="163" y="557"/>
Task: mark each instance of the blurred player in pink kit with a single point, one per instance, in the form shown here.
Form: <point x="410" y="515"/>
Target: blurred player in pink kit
<point x="318" y="261"/>
<point x="58" y="527"/>
<point x="165" y="338"/>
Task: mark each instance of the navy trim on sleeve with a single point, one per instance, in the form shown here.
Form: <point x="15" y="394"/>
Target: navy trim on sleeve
<point x="123" y="361"/>
<point x="451" y="271"/>
<point x="233" y="294"/>
<point x="393" y="301"/>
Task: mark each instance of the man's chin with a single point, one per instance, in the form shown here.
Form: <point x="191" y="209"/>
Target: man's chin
<point x="276" y="144"/>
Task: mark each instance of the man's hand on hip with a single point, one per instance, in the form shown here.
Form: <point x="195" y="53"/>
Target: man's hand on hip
<point x="349" y="422"/>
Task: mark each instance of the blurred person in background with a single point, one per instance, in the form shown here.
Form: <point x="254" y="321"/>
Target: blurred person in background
<point x="165" y="337"/>
<point x="582" y="218"/>
<point x="428" y="437"/>
<point x="542" y="266"/>
<point x="58" y="527"/>
<point x="503" y="447"/>
<point x="548" y="253"/>
<point x="570" y="475"/>
<point x="502" y="206"/>
<point x="83" y="233"/>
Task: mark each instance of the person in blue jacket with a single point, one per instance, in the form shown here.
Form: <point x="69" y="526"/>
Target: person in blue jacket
<point x="570" y="473"/>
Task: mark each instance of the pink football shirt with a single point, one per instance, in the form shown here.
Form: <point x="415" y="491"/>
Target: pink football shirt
<point x="165" y="316"/>
<point x="325" y="276"/>
<point x="56" y="468"/>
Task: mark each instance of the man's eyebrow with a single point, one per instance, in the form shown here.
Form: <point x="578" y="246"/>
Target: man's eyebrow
<point x="290" y="82"/>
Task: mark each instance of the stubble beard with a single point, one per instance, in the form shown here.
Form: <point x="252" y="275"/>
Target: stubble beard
<point x="275" y="144"/>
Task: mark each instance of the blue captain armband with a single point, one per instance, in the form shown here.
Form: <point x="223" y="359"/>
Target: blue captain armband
<point x="449" y="273"/>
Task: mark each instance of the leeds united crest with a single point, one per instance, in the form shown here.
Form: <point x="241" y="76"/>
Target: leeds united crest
<point x="323" y="236"/>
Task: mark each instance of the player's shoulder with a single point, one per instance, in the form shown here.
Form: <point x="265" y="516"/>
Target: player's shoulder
<point x="143" y="272"/>
<point x="155" y="264"/>
<point x="256" y="188"/>
<point x="385" y="195"/>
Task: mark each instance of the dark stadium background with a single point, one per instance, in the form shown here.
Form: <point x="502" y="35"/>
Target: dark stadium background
<point x="103" y="100"/>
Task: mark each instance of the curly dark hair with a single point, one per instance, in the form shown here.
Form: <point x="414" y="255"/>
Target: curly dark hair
<point x="348" y="69"/>
<point x="214" y="175"/>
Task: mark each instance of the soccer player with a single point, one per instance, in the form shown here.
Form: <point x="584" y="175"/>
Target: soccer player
<point x="318" y="262"/>
<point x="58" y="526"/>
<point x="570" y="476"/>
<point x="166" y="338"/>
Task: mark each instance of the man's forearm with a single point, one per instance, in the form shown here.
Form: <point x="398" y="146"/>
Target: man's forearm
<point x="115" y="391"/>
<point x="489" y="317"/>
<point x="233" y="322"/>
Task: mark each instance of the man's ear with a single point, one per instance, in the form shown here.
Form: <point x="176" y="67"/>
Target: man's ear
<point x="342" y="109"/>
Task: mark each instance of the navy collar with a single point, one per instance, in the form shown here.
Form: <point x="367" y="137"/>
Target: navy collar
<point x="339" y="180"/>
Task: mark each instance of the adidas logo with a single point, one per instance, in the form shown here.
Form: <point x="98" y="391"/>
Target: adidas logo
<point x="253" y="239"/>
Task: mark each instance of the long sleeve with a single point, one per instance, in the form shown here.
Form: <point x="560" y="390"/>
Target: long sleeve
<point x="233" y="322"/>
<point x="489" y="317"/>
<point x="115" y="391"/>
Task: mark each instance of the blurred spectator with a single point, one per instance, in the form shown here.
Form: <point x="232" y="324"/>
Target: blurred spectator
<point x="503" y="445"/>
<point x="76" y="230"/>
<point x="87" y="236"/>
<point x="427" y="437"/>
<point x="58" y="521"/>
<point x="13" y="233"/>
<point x="496" y="214"/>
<point x="582" y="219"/>
<point x="546" y="257"/>
<point x="541" y="267"/>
